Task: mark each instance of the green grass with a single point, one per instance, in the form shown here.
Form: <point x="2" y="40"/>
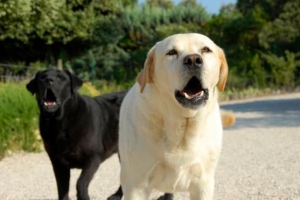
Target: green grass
<point x="18" y="119"/>
<point x="111" y="86"/>
<point x="19" y="111"/>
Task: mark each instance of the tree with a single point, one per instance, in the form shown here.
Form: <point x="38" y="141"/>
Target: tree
<point x="284" y="68"/>
<point x="272" y="8"/>
<point x="284" y="31"/>
<point x="188" y="3"/>
<point x="34" y="30"/>
<point x="165" y="4"/>
<point x="278" y="39"/>
<point x="123" y="47"/>
<point x="237" y="34"/>
<point x="129" y="3"/>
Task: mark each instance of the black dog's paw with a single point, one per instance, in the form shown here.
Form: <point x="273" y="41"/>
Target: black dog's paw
<point x="117" y="195"/>
<point x="114" y="197"/>
<point x="166" y="196"/>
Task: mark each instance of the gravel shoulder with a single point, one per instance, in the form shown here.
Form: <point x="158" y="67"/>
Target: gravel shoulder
<point x="260" y="159"/>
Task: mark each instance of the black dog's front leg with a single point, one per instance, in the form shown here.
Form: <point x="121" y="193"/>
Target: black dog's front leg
<point x="62" y="176"/>
<point x="166" y="196"/>
<point x="117" y="195"/>
<point x="86" y="176"/>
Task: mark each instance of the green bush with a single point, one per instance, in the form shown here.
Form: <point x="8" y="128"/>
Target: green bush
<point x="111" y="86"/>
<point x="18" y="119"/>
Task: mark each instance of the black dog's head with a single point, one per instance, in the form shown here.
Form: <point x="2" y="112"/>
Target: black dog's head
<point x="53" y="88"/>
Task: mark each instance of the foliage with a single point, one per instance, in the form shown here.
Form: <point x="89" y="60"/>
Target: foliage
<point x="88" y="89"/>
<point x="129" y="2"/>
<point x="284" y="30"/>
<point x="53" y="27"/>
<point x="124" y="46"/>
<point x="257" y="74"/>
<point x="164" y="4"/>
<point x="111" y="86"/>
<point x="18" y="119"/>
<point x="106" y="41"/>
<point x="255" y="41"/>
<point x="279" y="39"/>
<point x="284" y="67"/>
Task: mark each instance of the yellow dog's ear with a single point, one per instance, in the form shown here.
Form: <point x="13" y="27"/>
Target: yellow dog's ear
<point x="223" y="71"/>
<point x="146" y="75"/>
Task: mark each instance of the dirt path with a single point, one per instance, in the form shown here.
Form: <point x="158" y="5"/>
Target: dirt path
<point x="260" y="159"/>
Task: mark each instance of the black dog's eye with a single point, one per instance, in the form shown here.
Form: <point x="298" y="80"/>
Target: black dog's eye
<point x="172" y="52"/>
<point x="61" y="77"/>
<point x="205" y="50"/>
<point x="43" y="77"/>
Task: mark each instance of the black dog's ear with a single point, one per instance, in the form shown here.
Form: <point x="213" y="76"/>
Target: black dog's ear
<point x="76" y="82"/>
<point x="32" y="85"/>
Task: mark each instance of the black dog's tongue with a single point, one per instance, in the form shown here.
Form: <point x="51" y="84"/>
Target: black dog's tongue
<point x="49" y="103"/>
<point x="50" y="99"/>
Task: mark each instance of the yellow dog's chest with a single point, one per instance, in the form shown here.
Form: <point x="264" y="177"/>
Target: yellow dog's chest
<point x="181" y="144"/>
<point x="167" y="179"/>
<point x="184" y="155"/>
<point x="177" y="170"/>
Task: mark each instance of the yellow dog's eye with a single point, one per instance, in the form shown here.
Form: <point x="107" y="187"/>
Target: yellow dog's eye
<point x="205" y="50"/>
<point x="172" y="52"/>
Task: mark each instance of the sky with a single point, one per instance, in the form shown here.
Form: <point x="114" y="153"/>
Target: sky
<point x="211" y="6"/>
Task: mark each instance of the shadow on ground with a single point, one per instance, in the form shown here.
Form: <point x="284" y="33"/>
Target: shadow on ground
<point x="266" y="113"/>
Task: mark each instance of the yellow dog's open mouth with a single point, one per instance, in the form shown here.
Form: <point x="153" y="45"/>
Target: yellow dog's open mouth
<point x="193" y="94"/>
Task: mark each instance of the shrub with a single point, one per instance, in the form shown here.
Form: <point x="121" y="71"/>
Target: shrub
<point x="19" y="115"/>
<point x="111" y="86"/>
<point x="18" y="119"/>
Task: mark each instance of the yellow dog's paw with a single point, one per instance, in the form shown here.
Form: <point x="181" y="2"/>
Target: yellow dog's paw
<point x="228" y="118"/>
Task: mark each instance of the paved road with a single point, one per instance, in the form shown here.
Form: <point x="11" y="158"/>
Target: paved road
<point x="260" y="159"/>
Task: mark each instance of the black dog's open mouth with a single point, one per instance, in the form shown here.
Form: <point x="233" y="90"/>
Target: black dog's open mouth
<point x="193" y="94"/>
<point x="50" y="101"/>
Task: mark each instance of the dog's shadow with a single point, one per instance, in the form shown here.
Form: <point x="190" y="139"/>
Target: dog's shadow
<point x="43" y="199"/>
<point x="265" y="113"/>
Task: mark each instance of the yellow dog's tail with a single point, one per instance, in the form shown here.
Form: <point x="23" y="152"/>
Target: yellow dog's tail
<point x="228" y="118"/>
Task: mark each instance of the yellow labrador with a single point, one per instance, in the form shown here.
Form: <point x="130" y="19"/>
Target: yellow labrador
<point x="170" y="133"/>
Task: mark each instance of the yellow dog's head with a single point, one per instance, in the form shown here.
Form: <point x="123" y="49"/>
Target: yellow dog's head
<point x="187" y="67"/>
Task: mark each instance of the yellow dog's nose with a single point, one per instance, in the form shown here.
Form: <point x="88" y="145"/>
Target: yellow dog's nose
<point x="193" y="61"/>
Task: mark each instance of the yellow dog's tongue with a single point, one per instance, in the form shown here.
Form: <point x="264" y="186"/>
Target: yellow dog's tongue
<point x="190" y="96"/>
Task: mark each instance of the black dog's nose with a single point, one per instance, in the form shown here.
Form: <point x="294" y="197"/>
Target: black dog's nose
<point x="193" y="61"/>
<point x="49" y="81"/>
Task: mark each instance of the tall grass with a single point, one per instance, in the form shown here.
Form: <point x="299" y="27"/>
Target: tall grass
<point x="111" y="86"/>
<point x="18" y="119"/>
<point x="19" y="111"/>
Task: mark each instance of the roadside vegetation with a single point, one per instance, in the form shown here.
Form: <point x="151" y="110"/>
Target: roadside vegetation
<point x="105" y="43"/>
<point x="19" y="118"/>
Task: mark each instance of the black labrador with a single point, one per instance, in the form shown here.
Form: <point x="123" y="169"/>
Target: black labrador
<point x="78" y="131"/>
